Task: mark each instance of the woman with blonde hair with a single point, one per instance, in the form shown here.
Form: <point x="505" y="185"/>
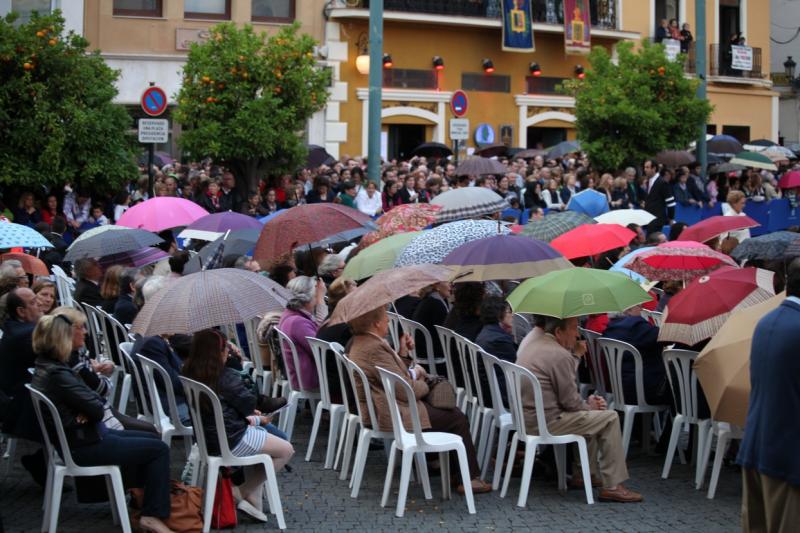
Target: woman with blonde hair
<point x="734" y="207"/>
<point x="109" y="288"/>
<point x="45" y="291"/>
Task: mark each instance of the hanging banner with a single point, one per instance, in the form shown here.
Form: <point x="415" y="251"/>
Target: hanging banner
<point x="577" y="27"/>
<point x="517" y="28"/>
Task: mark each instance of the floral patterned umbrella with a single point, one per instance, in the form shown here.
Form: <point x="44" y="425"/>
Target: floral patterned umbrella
<point x="402" y="219"/>
<point x="432" y="246"/>
<point x="678" y="261"/>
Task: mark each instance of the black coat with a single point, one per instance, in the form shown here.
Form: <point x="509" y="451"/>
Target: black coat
<point x="88" y="293"/>
<point x="642" y="335"/>
<point x="158" y="350"/>
<point x="660" y="202"/>
<point x="237" y="404"/>
<point x="16" y="357"/>
<point x="124" y="309"/>
<point x="496" y="341"/>
<point x="430" y="312"/>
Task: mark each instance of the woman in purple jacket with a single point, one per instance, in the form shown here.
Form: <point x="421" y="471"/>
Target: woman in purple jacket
<point x="297" y="322"/>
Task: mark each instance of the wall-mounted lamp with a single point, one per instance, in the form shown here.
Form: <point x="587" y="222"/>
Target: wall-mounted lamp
<point x="362" y="60"/>
<point x="535" y="69"/>
<point x="387" y="61"/>
<point x="438" y="63"/>
<point x="488" y="66"/>
<point x="579" y="73"/>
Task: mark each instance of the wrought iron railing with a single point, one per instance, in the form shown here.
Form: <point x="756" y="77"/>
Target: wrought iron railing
<point x="722" y="63"/>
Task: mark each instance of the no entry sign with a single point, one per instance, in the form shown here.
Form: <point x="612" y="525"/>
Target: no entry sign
<point x="154" y="101"/>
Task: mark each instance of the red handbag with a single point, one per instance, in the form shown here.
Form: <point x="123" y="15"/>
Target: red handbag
<point x="223" y="515"/>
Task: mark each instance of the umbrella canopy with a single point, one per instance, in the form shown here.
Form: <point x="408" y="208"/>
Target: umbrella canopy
<point x="589" y="202"/>
<point x="98" y="230"/>
<point x="468" y="202"/>
<point x="555" y="224"/>
<point x="30" y="264"/>
<point x="164" y="212"/>
<point x="304" y="224"/>
<point x="623" y="217"/>
<point x="213" y="226"/>
<point x="134" y="258"/>
<point x="530" y="153"/>
<point x="160" y="159"/>
<point x="478" y="166"/>
<point x="403" y="218"/>
<point x="563" y="148"/>
<point x="619" y="266"/>
<point x="707" y="229"/>
<point x="793" y="250"/>
<point x="386" y="287"/>
<point x="763" y="142"/>
<point x="432" y="149"/>
<point x="724" y="145"/>
<point x="781" y="151"/>
<point x="378" y="256"/>
<point x="269" y="217"/>
<point x="592" y="239"/>
<point x="790" y="180"/>
<point x="16" y="235"/>
<point x="723" y="367"/>
<point x="754" y="160"/>
<point x="492" y="150"/>
<point x="432" y="246"/>
<point x="238" y="242"/>
<point x="207" y="299"/>
<point x="504" y="257"/>
<point x="112" y="242"/>
<point x="577" y="292"/>
<point x="698" y="311"/>
<point x="678" y="261"/>
<point x="317" y="156"/>
<point x="768" y="246"/>
<point x="724" y="168"/>
<point x="675" y="158"/>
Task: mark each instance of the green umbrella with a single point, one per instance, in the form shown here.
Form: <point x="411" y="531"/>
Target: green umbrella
<point x="753" y="160"/>
<point x="555" y="224"/>
<point x="378" y="256"/>
<point x="577" y="292"/>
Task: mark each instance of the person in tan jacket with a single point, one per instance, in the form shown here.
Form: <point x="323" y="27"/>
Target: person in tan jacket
<point x="369" y="350"/>
<point x="550" y="357"/>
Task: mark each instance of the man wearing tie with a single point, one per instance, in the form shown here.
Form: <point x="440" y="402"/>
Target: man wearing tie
<point x="660" y="200"/>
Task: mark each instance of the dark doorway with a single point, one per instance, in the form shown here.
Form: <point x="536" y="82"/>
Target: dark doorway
<point x="729" y="20"/>
<point x="403" y="138"/>
<point x="545" y="137"/>
<point x="741" y="133"/>
<point x="666" y="9"/>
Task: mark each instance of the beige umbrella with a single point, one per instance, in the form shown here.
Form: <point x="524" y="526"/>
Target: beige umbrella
<point x="386" y="287"/>
<point x="723" y="367"/>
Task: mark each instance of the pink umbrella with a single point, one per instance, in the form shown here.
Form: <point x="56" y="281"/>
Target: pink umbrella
<point x="790" y="180"/>
<point x="678" y="261"/>
<point x="164" y="212"/>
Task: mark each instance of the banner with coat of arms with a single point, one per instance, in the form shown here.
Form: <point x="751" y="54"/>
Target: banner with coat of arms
<point x="577" y="27"/>
<point x="517" y="28"/>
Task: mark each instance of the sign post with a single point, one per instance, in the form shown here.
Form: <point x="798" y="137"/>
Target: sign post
<point x="459" y="127"/>
<point x="152" y="131"/>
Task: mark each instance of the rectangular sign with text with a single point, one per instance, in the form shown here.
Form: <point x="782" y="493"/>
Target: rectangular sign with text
<point x="153" y="130"/>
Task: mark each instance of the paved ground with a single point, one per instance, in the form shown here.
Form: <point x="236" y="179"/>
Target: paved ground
<point x="314" y="499"/>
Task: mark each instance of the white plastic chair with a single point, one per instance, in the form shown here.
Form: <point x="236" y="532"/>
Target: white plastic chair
<point x="260" y="370"/>
<point x="295" y="397"/>
<point x="94" y="325"/>
<point x="169" y="425"/>
<point x="501" y="420"/>
<point x="482" y="415"/>
<point x="725" y="433"/>
<point x="516" y="376"/>
<point x="447" y="338"/>
<point x="195" y="394"/>
<point x="394" y="329"/>
<point x="416" y="443"/>
<point x="58" y="469"/>
<point x="352" y="421"/>
<point x="319" y="350"/>
<point x="415" y="329"/>
<point x="615" y="351"/>
<point x="679" y="362"/>
<point x="469" y="405"/>
<point x="144" y="408"/>
<point x="520" y="327"/>
<point x="595" y="363"/>
<point x="64" y="285"/>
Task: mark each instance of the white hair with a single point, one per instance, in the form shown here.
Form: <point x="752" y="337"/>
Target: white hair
<point x="303" y="290"/>
<point x="152" y="286"/>
<point x="330" y="264"/>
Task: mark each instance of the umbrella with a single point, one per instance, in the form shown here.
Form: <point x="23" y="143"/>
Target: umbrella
<point x="98" y="230"/>
<point x="432" y="149"/>
<point x="763" y="142"/>
<point x="724" y="168"/>
<point x="30" y="264"/>
<point x="161" y="159"/>
<point x="403" y="218"/>
<point x="577" y="292"/>
<point x="468" y="202"/>
<point x="478" y="166"/>
<point x="678" y="260"/>
<point x="563" y="148"/>
<point x="19" y="236"/>
<point x="619" y="266"/>
<point x="317" y="156"/>
<point x="163" y="212"/>
<point x="724" y="145"/>
<point x="768" y="246"/>
<point x="555" y="224"/>
<point x="213" y="226"/>
<point x="305" y="224"/>
<point x="530" y="153"/>
<point x="378" y="256"/>
<point x="675" y="158"/>
<point x="504" y="257"/>
<point x="432" y="246"/>
<point x="698" y="311"/>
<point x="782" y="151"/>
<point x="236" y="242"/>
<point x="492" y="150"/>
<point x="269" y="217"/>
<point x="134" y="258"/>
<point x="207" y="299"/>
<point x="723" y="367"/>
<point x="753" y="160"/>
<point x="592" y="239"/>
<point x="790" y="180"/>
<point x="707" y="229"/>
<point x="589" y="202"/>
<point x="111" y="242"/>
<point x="793" y="250"/>
<point x="624" y="217"/>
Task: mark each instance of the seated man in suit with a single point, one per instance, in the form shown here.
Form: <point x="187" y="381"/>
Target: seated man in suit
<point x="89" y="274"/>
<point x="549" y="356"/>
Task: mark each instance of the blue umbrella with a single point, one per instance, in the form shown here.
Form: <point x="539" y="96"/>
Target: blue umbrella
<point x="589" y="202"/>
<point x="19" y="236"/>
<point x="269" y="217"/>
<point x="618" y="266"/>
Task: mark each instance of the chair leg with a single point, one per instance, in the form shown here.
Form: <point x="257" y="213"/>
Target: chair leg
<point x="360" y="462"/>
<point x="337" y="416"/>
<point x="701" y="470"/>
<point x="627" y="427"/>
<point x="527" y="473"/>
<point x="486" y="457"/>
<point x="290" y="413"/>
<point x="112" y="499"/>
<point x="211" y="489"/>
<point x="422" y="471"/>
<point x="342" y="436"/>
<point x="124" y="393"/>
<point x="118" y="495"/>
<point x="702" y="436"/>
<point x="475" y="422"/>
<point x="314" y="429"/>
<point x="677" y="425"/>
<point x="560" y="454"/>
<point x="55" y="502"/>
<point x="722" y="446"/>
<point x="487" y="423"/>
<point x="11" y="451"/>
<point x="512" y="453"/>
<point x="465" y="479"/>
<point x="387" y="483"/>
<point x="48" y="491"/>
<point x="347" y="451"/>
<point x="405" y="480"/>
<point x="187" y="445"/>
<point x="587" y="478"/>
<point x="273" y="495"/>
<point x="498" y="461"/>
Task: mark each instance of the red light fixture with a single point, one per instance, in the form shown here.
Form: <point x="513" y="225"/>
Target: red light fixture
<point x="535" y="69"/>
<point x="438" y="63"/>
<point x="579" y="73"/>
<point x="488" y="66"/>
<point x="387" y="61"/>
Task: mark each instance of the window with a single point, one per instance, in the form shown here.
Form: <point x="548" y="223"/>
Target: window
<point x="273" y="10"/>
<point x="494" y="83"/>
<point x="742" y="133"/>
<point x="138" y="8"/>
<point x="25" y="8"/>
<point x="207" y="9"/>
<point x="406" y="78"/>
<point x="543" y="85"/>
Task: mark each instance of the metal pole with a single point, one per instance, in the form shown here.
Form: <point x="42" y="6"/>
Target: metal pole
<point x="700" y="54"/>
<point x="375" y="84"/>
<point x="151" y="148"/>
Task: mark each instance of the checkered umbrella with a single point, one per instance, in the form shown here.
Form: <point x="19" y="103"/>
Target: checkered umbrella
<point x="433" y="245"/>
<point x="480" y="166"/>
<point x="207" y="299"/>
<point x="555" y="224"/>
<point x="769" y="246"/>
<point x="19" y="236"/>
<point x="468" y="202"/>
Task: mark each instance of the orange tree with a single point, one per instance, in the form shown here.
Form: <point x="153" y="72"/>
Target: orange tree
<point x="246" y="97"/>
<point x="57" y="120"/>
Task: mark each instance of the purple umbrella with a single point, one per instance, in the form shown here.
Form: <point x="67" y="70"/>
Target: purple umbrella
<point x="504" y="257"/>
<point x="211" y="227"/>
<point x="134" y="258"/>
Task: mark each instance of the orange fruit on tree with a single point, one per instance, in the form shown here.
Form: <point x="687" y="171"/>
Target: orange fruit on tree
<point x="27" y="66"/>
<point x="40" y="34"/>
<point x="52" y="42"/>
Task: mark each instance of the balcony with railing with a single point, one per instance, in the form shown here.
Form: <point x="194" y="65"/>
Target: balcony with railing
<point x="723" y="63"/>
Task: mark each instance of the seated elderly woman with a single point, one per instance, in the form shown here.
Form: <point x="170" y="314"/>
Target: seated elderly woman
<point x="83" y="412"/>
<point x="297" y="322"/>
<point x="369" y="350"/>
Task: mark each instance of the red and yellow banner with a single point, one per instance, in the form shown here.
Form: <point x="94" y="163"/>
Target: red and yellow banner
<point x="577" y="27"/>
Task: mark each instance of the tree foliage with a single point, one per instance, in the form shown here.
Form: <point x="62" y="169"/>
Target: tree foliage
<point x="631" y="110"/>
<point x="245" y="99"/>
<point x="57" y="120"/>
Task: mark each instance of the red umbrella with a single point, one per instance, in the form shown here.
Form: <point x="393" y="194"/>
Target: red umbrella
<point x="592" y="239"/>
<point x="30" y="264"/>
<point x="790" y="180"/>
<point x="678" y="261"/>
<point x="698" y="311"/>
<point x="305" y="224"/>
<point x="707" y="229"/>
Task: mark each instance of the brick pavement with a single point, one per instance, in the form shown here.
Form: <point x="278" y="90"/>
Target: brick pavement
<point x="314" y="499"/>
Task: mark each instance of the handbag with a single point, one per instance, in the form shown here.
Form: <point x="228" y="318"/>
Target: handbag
<point x="440" y="393"/>
<point x="186" y="508"/>
<point x="223" y="515"/>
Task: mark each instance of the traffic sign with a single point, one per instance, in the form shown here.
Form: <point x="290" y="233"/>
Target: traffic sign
<point x="153" y="130"/>
<point x="459" y="129"/>
<point x="154" y="101"/>
<point x="484" y="134"/>
<point x="459" y="103"/>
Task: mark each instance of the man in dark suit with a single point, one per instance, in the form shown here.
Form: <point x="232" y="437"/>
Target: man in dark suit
<point x="660" y="200"/>
<point x="87" y="289"/>
<point x="768" y="454"/>
<point x="124" y="308"/>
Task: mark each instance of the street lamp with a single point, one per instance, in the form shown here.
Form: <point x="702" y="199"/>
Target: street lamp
<point x="789" y="66"/>
<point x="362" y="61"/>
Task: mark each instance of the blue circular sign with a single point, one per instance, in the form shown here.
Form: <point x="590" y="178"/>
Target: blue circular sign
<point x="154" y="101"/>
<point x="459" y="103"/>
<point x="484" y="134"/>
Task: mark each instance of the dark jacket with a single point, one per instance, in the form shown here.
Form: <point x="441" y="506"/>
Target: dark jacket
<point x="468" y="326"/>
<point x="230" y="201"/>
<point x="158" y="350"/>
<point x="16" y="357"/>
<point x="407" y="305"/>
<point x="430" y="312"/>
<point x="643" y="336"/>
<point x="124" y="309"/>
<point x="660" y="203"/>
<point x="496" y="341"/>
<point x="88" y="293"/>
<point x="237" y="404"/>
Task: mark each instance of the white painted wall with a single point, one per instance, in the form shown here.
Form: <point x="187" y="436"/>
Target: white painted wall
<point x="785" y="20"/>
<point x="137" y="71"/>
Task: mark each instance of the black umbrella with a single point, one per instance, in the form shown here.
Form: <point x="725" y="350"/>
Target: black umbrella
<point x="724" y="145"/>
<point x="675" y="158"/>
<point x="236" y="242"/>
<point x="112" y="242"/>
<point x="479" y="166"/>
<point x="563" y="148"/>
<point x="492" y="150"/>
<point x="530" y="153"/>
<point x="763" y="142"/>
<point x="317" y="156"/>
<point x="432" y="149"/>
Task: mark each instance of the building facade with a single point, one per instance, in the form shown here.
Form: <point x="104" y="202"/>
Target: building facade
<point x="786" y="53"/>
